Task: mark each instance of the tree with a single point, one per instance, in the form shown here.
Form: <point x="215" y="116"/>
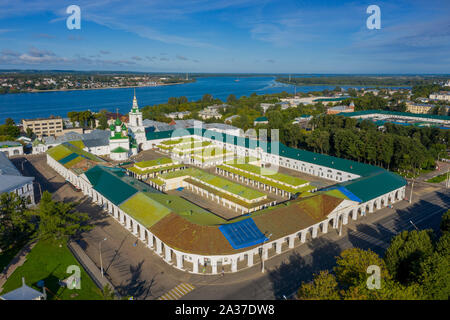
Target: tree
<point x="445" y="222"/>
<point x="15" y="220"/>
<point x="108" y="293"/>
<point x="352" y="264"/>
<point x="207" y="98"/>
<point x="29" y="132"/>
<point x="323" y="287"/>
<point x="406" y="252"/>
<point x="10" y="122"/>
<point x="102" y="120"/>
<point x="435" y="276"/>
<point x="60" y="220"/>
<point x="231" y="98"/>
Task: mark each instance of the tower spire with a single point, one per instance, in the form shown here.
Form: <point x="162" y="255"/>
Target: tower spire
<point x="135" y="105"/>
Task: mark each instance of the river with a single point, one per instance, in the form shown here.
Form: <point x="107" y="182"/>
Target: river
<point x="59" y="103"/>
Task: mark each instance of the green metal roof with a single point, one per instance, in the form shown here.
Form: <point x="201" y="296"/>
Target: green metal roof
<point x="261" y="119"/>
<point x="108" y="182"/>
<point x="144" y="209"/>
<point x="373" y="186"/>
<point x="394" y="113"/>
<point x="349" y="166"/>
<point x="119" y="150"/>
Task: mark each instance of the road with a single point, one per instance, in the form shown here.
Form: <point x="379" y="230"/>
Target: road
<point x="137" y="271"/>
<point x="285" y="276"/>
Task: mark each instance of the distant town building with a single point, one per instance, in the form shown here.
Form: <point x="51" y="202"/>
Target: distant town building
<point x="261" y="120"/>
<point x="223" y="128"/>
<point x="442" y="95"/>
<point x="209" y="113"/>
<point x="11" y="180"/>
<point x="231" y="118"/>
<point x="178" y="115"/>
<point x="266" y="106"/>
<point x="43" y="127"/>
<point x="303" y="119"/>
<point x="11" y="148"/>
<point x="418" y="108"/>
<point x="339" y="109"/>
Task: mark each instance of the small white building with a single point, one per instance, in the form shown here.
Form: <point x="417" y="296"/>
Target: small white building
<point x="11" y="148"/>
<point x="11" y="180"/>
<point x="443" y="96"/>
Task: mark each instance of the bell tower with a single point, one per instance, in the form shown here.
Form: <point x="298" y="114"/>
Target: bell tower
<point x="135" y="115"/>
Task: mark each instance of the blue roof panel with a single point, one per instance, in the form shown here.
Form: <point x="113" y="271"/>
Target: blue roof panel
<point x="242" y="234"/>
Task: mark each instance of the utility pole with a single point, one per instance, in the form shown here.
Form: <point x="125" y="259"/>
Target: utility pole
<point x="447" y="183"/>
<point x="100" y="249"/>
<point x="412" y="186"/>
<point x="414" y="225"/>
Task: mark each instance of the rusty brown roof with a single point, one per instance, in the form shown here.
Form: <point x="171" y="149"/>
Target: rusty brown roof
<point x="181" y="234"/>
<point x="185" y="236"/>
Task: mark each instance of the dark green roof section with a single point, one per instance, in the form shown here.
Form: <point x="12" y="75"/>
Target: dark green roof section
<point x="119" y="150"/>
<point x="108" y="182"/>
<point x="383" y="181"/>
<point x="394" y="113"/>
<point x="373" y="186"/>
<point x="345" y="165"/>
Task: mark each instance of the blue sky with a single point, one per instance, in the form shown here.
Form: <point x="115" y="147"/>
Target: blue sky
<point x="261" y="36"/>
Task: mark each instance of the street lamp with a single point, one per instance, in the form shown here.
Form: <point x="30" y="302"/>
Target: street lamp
<point x="262" y="253"/>
<point x="100" y="249"/>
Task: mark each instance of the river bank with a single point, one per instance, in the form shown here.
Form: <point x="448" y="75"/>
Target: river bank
<point x="84" y="89"/>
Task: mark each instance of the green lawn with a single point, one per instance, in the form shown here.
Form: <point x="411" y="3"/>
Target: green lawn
<point x="144" y="209"/>
<point x="292" y="181"/>
<point x="153" y="163"/>
<point x="438" y="178"/>
<point x="48" y="262"/>
<point x="264" y="180"/>
<point x="216" y="181"/>
<point x="186" y="209"/>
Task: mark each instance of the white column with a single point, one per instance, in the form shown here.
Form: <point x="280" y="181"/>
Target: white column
<point x="265" y="253"/>
<point x="150" y="240"/>
<point x="179" y="260"/>
<point x="314" y="232"/>
<point x="142" y="233"/>
<point x="167" y="256"/>
<point x="158" y="246"/>
<point x="303" y="237"/>
<point x="195" y="264"/>
<point x="127" y="222"/>
<point x="278" y="247"/>
<point x="291" y="241"/>
<point x="325" y="227"/>
<point x="135" y="230"/>
<point x="345" y="217"/>
<point x="233" y="265"/>
<point x="250" y="259"/>
<point x="214" y="265"/>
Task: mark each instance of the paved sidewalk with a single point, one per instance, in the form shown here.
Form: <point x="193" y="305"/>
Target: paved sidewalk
<point x="89" y="266"/>
<point x="16" y="262"/>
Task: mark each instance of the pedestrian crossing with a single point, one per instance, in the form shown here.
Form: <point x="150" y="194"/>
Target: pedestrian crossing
<point x="177" y="292"/>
